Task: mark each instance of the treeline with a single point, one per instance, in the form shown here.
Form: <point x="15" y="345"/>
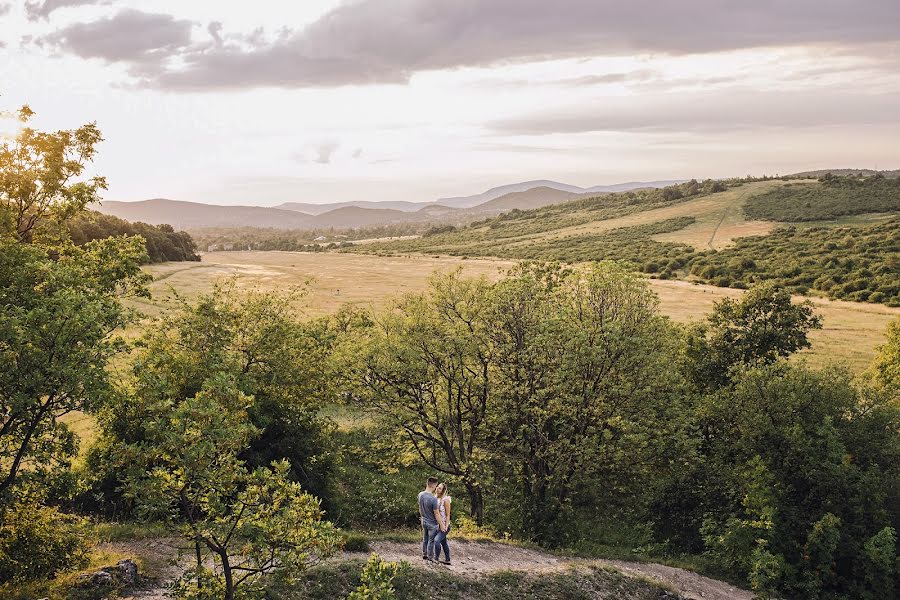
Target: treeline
<point x="162" y="242"/>
<point x="299" y="240"/>
<point x="830" y="198"/>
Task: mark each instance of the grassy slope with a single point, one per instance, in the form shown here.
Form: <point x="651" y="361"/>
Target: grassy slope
<point x="337" y="579"/>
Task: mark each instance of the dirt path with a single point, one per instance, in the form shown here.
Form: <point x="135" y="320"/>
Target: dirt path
<point x="159" y="557"/>
<point x="478" y="558"/>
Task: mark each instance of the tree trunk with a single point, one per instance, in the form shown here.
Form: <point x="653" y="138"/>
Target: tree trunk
<point x="229" y="577"/>
<point x="476" y="500"/>
<point x="199" y="564"/>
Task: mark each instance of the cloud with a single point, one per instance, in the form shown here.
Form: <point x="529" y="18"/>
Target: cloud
<point x="385" y="41"/>
<point x="42" y="10"/>
<point x="726" y="110"/>
<point x="324" y="152"/>
<point x="5" y="8"/>
<point x="357" y="153"/>
<point x="129" y="36"/>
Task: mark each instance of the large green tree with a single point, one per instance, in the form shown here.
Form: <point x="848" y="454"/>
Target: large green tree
<point x="273" y="356"/>
<point x="760" y="327"/>
<point x="426" y="371"/>
<point x="585" y="395"/>
<point x="60" y="310"/>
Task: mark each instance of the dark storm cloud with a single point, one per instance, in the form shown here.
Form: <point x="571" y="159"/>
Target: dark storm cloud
<point x="130" y="36"/>
<point x="730" y="110"/>
<point x="386" y="41"/>
<point x="42" y="10"/>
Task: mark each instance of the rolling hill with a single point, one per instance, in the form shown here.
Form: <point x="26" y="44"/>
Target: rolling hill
<point x="297" y="215"/>
<point x="838" y="237"/>
<point x="533" y="198"/>
<point x="187" y="215"/>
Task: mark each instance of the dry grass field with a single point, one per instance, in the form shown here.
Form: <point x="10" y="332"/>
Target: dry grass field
<point x="852" y="330"/>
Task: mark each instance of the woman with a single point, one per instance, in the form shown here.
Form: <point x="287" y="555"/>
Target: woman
<point x="440" y="540"/>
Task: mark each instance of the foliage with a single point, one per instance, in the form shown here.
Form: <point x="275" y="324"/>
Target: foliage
<point x="885" y="370"/>
<point x="38" y="178"/>
<point x="59" y="311"/>
<point x="800" y="472"/>
<point x="426" y="371"/>
<point x="761" y="327"/>
<point x="253" y="522"/>
<point x="37" y="542"/>
<point x="162" y="242"/>
<point x="376" y="580"/>
<point x="584" y="395"/>
<point x="257" y="342"/>
<point x="845" y="263"/>
<point x="832" y="197"/>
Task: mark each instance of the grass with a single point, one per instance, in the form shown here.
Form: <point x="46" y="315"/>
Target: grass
<point x="337" y="579"/>
<point x="852" y="330"/>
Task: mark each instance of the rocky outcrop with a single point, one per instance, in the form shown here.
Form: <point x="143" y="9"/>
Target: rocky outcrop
<point x="107" y="581"/>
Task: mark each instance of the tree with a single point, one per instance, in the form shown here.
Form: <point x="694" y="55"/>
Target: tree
<point x="802" y="473"/>
<point x="759" y="328"/>
<point x="59" y="313"/>
<point x="274" y="358"/>
<point x="583" y="392"/>
<point x="427" y="372"/>
<point x="38" y="172"/>
<point x="253" y="522"/>
<point x="885" y="369"/>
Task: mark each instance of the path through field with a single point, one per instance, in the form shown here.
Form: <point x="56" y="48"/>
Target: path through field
<point x="478" y="558"/>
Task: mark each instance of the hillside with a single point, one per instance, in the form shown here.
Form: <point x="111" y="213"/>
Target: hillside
<point x="185" y="215"/>
<point x="729" y="237"/>
<point x="318" y="209"/>
<point x="533" y="198"/>
<point x="830" y="198"/>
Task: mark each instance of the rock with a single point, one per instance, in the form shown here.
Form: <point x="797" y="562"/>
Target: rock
<point x="97" y="579"/>
<point x="123" y="575"/>
<point x="129" y="572"/>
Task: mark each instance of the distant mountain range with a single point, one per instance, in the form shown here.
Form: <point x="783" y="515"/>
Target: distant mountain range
<point x="297" y="215"/>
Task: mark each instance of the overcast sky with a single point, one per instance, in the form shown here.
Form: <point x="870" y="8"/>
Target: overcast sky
<point x="262" y="102"/>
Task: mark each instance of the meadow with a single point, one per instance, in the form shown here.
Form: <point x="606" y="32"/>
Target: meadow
<point x="851" y="332"/>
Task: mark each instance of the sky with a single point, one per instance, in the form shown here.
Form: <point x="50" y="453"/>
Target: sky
<point x="266" y="102"/>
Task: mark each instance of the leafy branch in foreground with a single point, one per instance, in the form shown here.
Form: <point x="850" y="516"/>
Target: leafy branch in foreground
<point x="251" y="523"/>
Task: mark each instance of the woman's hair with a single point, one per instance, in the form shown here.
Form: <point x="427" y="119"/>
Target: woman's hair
<point x="444" y="489"/>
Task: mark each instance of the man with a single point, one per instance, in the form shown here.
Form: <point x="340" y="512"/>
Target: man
<point x="431" y="518"/>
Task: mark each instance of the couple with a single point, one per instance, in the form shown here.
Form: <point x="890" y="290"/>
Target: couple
<point x="434" y="510"/>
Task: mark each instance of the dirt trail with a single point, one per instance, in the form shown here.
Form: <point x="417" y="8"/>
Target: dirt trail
<point x="478" y="558"/>
<point x="469" y="559"/>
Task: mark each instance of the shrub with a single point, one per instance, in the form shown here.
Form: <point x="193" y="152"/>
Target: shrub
<point x="37" y="542"/>
<point x="376" y="581"/>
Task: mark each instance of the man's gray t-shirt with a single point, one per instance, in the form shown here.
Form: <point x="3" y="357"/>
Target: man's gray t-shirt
<point x="427" y="505"/>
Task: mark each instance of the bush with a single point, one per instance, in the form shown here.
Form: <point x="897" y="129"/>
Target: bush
<point x="376" y="581"/>
<point x="37" y="542"/>
<point x="356" y="543"/>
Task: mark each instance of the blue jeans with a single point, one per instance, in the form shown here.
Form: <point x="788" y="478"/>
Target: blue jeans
<point x="428" y="534"/>
<point x="440" y="541"/>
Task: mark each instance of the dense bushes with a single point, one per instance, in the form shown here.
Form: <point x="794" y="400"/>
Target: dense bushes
<point x="832" y="197"/>
<point x="162" y="242"/>
<point x="845" y="263"/>
<point x="38" y="541"/>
